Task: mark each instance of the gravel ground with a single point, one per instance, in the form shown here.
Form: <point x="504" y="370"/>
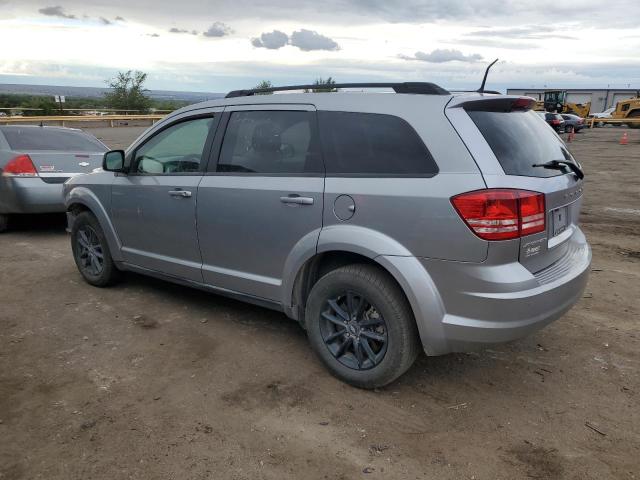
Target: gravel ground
<point x="156" y="381"/>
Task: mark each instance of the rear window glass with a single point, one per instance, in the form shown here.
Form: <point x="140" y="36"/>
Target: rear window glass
<point x="372" y="144"/>
<point x="519" y="140"/>
<point x="50" y="139"/>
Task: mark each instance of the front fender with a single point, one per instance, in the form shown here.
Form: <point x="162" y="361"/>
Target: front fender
<point x="88" y="199"/>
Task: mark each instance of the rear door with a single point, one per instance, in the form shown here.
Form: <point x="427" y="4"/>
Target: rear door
<point x="506" y="145"/>
<point x="261" y="198"/>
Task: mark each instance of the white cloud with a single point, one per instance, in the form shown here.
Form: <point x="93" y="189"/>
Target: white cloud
<point x="218" y="29"/>
<point x="56" y="11"/>
<point x="307" y="40"/>
<point x="271" y="40"/>
<point x="442" y="56"/>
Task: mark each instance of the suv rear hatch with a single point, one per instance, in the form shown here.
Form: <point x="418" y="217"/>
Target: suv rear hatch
<point x="56" y="153"/>
<point x="510" y="143"/>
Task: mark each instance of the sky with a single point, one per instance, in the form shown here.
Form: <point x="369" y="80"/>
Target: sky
<point x="216" y="46"/>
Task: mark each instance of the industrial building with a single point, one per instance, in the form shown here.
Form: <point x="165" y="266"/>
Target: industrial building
<point x="600" y="98"/>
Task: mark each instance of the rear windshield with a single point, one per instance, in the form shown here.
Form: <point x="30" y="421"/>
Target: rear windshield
<point x="31" y="138"/>
<point x="519" y="140"/>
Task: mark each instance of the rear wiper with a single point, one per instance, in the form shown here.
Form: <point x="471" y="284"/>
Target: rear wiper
<point x="560" y="165"/>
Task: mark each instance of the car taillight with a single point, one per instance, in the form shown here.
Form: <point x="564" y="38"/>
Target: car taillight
<point x="20" y="166"/>
<point x="555" y="121"/>
<point x="502" y="214"/>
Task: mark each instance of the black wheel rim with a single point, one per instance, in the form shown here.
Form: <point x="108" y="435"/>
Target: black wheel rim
<point x="90" y="253"/>
<point x="354" y="331"/>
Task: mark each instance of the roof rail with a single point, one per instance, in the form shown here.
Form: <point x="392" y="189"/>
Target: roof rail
<point x="424" y="88"/>
<point x="476" y="91"/>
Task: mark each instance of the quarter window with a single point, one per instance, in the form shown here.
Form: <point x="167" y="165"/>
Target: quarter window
<point x="373" y="144"/>
<point x="177" y="149"/>
<point x="270" y="142"/>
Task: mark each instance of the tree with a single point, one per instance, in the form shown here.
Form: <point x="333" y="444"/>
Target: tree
<point x="264" y="84"/>
<point x="127" y="91"/>
<point x="325" y="85"/>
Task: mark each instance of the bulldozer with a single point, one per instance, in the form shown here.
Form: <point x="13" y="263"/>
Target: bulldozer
<point x="556" y="101"/>
<point x="629" y="108"/>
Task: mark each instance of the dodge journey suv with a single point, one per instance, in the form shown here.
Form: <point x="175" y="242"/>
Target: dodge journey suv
<point x="383" y="222"/>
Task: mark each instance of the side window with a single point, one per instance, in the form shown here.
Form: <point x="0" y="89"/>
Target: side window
<point x="177" y="149"/>
<point x="270" y="142"/>
<point x="372" y="144"/>
<point x="625" y="107"/>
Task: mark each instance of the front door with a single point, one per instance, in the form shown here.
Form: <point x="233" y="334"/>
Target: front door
<point x="154" y="206"/>
<point x="261" y="199"/>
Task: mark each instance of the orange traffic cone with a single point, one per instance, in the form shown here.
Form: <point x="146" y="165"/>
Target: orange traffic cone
<point x="625" y="139"/>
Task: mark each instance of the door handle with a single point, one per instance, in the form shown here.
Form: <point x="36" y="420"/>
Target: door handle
<point x="180" y="193"/>
<point x="297" y="199"/>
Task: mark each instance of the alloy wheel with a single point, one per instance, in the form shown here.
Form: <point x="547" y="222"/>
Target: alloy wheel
<point x="354" y="331"/>
<point x="90" y="251"/>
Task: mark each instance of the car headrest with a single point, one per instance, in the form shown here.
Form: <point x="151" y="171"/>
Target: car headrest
<point x="266" y="138"/>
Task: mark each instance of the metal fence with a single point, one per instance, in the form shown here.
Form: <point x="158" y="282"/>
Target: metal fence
<point x="65" y="120"/>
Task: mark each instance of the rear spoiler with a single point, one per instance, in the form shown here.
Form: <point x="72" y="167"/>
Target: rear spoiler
<point x="495" y="104"/>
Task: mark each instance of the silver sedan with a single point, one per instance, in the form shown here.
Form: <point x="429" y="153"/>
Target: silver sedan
<point x="35" y="162"/>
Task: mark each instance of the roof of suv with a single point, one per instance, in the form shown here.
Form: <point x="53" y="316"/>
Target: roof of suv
<point x="349" y="100"/>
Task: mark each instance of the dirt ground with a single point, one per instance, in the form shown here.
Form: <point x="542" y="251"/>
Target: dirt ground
<point x="155" y="381"/>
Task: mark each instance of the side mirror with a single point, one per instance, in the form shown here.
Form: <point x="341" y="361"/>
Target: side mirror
<point x="113" y="161"/>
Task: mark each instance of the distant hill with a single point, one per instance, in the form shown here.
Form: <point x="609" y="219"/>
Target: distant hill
<point x="95" y="92"/>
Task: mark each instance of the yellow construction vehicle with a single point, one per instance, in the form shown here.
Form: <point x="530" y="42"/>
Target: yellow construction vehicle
<point x="556" y="101"/>
<point x="629" y="108"/>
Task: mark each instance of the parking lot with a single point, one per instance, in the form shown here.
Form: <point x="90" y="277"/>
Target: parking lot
<point x="152" y="380"/>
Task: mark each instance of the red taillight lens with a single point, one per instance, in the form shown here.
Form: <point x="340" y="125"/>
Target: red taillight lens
<point x="502" y="214"/>
<point x="20" y="166"/>
<point x="523" y="104"/>
<point x="555" y="121"/>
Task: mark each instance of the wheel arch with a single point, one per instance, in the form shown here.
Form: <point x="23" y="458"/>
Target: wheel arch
<point x="356" y="245"/>
<point x="81" y="199"/>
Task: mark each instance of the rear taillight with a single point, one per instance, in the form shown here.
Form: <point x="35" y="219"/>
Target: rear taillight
<point x="555" y="121"/>
<point x="20" y="166"/>
<point x="502" y="214"/>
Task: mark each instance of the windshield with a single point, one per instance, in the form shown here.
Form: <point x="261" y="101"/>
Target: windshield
<point x="519" y="140"/>
<point x="30" y="138"/>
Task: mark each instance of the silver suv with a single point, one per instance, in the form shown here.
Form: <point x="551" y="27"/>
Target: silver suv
<point x="384" y="223"/>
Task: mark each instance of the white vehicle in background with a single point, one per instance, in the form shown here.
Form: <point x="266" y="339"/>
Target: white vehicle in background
<point x="606" y="114"/>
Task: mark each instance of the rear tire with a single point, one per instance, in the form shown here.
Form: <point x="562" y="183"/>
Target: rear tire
<point x="361" y="326"/>
<point x="91" y="251"/>
<point x="4" y="222"/>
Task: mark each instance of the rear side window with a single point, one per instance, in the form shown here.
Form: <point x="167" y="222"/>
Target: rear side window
<point x="372" y="144"/>
<point x="270" y="142"/>
<point x="519" y="140"/>
<point x="42" y="138"/>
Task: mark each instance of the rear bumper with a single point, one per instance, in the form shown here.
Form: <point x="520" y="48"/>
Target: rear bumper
<point x="485" y="304"/>
<point x="30" y="195"/>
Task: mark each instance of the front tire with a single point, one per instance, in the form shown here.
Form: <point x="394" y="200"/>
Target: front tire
<point x="361" y="326"/>
<point x="91" y="251"/>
